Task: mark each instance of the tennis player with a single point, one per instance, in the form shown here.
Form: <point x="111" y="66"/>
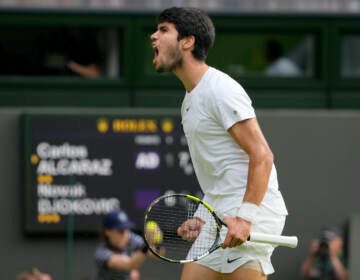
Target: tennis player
<point x="232" y="159"/>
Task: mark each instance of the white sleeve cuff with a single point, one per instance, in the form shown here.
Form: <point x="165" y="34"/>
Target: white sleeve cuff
<point x="248" y="211"/>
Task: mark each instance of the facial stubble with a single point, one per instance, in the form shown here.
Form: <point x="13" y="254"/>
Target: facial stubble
<point x="175" y="60"/>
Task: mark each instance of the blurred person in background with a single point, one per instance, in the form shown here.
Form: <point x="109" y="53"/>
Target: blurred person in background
<point x="121" y="252"/>
<point x="326" y="257"/>
<point x="51" y="51"/>
<point x="83" y="54"/>
<point x="279" y="64"/>
<point x="71" y="52"/>
<point x="33" y="274"/>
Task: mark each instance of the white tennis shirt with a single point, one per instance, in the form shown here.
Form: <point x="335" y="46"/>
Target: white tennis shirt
<point x="221" y="165"/>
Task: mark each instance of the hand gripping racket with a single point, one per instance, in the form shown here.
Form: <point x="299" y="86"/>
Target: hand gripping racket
<point x="168" y="213"/>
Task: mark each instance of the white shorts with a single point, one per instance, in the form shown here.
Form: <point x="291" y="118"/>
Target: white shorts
<point x="229" y="259"/>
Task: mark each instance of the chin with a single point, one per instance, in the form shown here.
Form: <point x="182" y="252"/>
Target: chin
<point x="160" y="69"/>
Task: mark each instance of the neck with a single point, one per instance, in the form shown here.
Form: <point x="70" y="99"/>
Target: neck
<point x="190" y="73"/>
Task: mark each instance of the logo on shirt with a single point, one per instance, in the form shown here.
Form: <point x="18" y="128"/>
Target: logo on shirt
<point x="232" y="260"/>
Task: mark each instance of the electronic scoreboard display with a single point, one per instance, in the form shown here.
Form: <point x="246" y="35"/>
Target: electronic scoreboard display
<point x="83" y="166"/>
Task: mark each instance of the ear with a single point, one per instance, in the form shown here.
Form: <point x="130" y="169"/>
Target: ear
<point x="188" y="42"/>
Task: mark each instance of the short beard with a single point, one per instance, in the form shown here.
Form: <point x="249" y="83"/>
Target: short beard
<point x="173" y="64"/>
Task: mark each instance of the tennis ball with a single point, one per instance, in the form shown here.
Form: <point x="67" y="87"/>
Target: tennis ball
<point x="153" y="232"/>
<point x="151" y="226"/>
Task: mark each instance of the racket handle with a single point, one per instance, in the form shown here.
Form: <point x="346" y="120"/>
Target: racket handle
<point x="278" y="240"/>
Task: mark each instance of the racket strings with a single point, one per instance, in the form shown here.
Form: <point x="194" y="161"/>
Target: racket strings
<point x="169" y="215"/>
<point x="208" y="234"/>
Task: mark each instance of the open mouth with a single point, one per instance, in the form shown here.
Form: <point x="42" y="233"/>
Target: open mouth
<point x="156" y="51"/>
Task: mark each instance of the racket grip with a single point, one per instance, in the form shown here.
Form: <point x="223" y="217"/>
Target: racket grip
<point x="278" y="240"/>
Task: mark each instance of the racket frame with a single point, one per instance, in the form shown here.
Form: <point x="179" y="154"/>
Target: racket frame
<point x="157" y="249"/>
<point x="275" y="240"/>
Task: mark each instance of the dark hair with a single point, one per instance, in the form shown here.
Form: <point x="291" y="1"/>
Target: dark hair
<point x="274" y="50"/>
<point x="192" y="22"/>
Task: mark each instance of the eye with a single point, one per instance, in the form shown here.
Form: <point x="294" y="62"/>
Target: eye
<point x="163" y="28"/>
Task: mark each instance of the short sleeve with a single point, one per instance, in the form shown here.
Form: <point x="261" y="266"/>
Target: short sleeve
<point x="102" y="256"/>
<point x="232" y="105"/>
<point x="136" y="242"/>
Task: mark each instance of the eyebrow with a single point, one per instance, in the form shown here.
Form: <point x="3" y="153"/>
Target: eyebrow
<point x="163" y="27"/>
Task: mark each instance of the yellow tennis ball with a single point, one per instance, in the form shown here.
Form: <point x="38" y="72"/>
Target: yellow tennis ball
<point x="158" y="238"/>
<point x="154" y="233"/>
<point x="151" y="226"/>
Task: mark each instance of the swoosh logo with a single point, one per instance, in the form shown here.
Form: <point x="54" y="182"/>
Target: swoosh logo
<point x="230" y="261"/>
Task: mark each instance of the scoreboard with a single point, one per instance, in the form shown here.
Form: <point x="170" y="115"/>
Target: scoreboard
<point x="84" y="166"/>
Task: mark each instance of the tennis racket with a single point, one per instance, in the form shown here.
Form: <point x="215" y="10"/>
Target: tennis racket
<point x="167" y="213"/>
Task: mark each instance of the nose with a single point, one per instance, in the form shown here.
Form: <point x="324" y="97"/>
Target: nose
<point x="153" y="36"/>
